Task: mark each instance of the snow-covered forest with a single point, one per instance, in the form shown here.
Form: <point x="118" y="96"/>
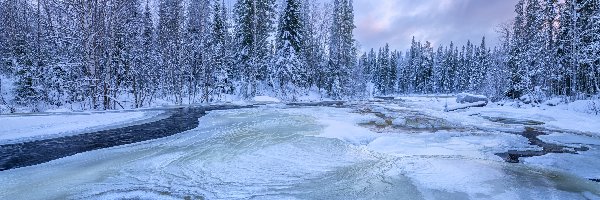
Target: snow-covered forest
<point x="115" y="54"/>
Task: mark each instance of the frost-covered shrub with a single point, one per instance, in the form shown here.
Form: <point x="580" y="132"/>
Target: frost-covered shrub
<point x="527" y="99"/>
<point x="554" y="101"/>
<point x="595" y="106"/>
<point x="4" y="109"/>
<point x="538" y="95"/>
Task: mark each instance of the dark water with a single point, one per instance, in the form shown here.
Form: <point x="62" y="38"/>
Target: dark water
<point x="531" y="134"/>
<point x="41" y="151"/>
<point x="504" y="120"/>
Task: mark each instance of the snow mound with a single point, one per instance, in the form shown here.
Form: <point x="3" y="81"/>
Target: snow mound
<point x="470" y="98"/>
<point x="266" y="99"/>
<point x="585" y="106"/>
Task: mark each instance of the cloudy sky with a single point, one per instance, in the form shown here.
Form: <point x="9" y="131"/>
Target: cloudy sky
<point x="437" y="21"/>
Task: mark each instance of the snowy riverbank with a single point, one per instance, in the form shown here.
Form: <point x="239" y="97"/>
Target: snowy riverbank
<point x="574" y="117"/>
<point x="27" y="127"/>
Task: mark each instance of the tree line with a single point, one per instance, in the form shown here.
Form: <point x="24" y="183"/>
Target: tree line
<point x="110" y="54"/>
<point x="551" y="49"/>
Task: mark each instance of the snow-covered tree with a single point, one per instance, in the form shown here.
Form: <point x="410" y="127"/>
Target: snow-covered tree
<point x="170" y="41"/>
<point x="289" y="66"/>
<point x="517" y="58"/>
<point x="255" y="24"/>
<point x="342" y="53"/>
<point x="392" y="72"/>
<point x="221" y="51"/>
<point x="199" y="68"/>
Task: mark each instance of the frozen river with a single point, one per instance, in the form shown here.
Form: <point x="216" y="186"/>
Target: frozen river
<point x="284" y="152"/>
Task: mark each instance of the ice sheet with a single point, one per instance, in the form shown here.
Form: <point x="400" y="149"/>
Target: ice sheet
<point x="298" y="153"/>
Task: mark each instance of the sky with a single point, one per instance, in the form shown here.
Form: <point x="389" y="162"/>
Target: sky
<point x="438" y="21"/>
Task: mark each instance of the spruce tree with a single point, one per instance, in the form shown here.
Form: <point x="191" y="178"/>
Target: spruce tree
<point x="516" y="55"/>
<point x="342" y="53"/>
<point x="392" y="74"/>
<point x="587" y="21"/>
<point x="290" y="69"/>
<point x="255" y="21"/>
<point x="169" y="39"/>
<point x="220" y="53"/>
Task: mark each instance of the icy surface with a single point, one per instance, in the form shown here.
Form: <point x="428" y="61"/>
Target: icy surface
<point x="584" y="164"/>
<point x="276" y="152"/>
<point x="18" y="128"/>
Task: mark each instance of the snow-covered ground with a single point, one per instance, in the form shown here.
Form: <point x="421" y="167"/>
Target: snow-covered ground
<point x="25" y="127"/>
<point x="279" y="152"/>
<point x="266" y="99"/>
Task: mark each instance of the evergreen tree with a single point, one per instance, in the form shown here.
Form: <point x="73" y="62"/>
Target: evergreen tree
<point x="412" y="67"/>
<point x="480" y="65"/>
<point x="290" y="69"/>
<point x="221" y="50"/>
<point x="425" y="75"/>
<point x="566" y="46"/>
<point x="200" y="68"/>
<point x="144" y="80"/>
<point x="449" y="69"/>
<point x="550" y="62"/>
<point x="392" y="73"/>
<point x="169" y="39"/>
<point x="22" y="53"/>
<point x="371" y="65"/>
<point x="342" y="53"/>
<point x="517" y="58"/>
<point x="534" y="44"/>
<point x="587" y="22"/>
<point x="383" y="65"/>
<point x="254" y="26"/>
<point x="362" y="78"/>
<point x="123" y="49"/>
<point x="438" y="70"/>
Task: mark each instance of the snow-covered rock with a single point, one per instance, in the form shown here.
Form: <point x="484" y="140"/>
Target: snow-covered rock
<point x="380" y="122"/>
<point x="465" y="106"/>
<point x="470" y="98"/>
<point x="400" y="121"/>
<point x="420" y="122"/>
